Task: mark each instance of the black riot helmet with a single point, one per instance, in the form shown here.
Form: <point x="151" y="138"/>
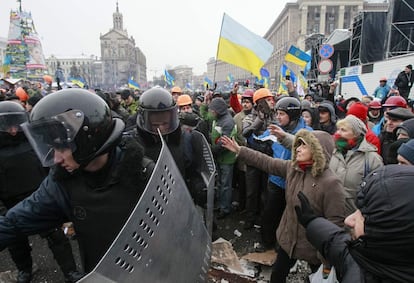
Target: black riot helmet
<point x="157" y="110"/>
<point x="12" y="114"/>
<point x="75" y="119"/>
<point x="291" y="106"/>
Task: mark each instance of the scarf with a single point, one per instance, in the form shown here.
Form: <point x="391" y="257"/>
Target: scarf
<point x="305" y="164"/>
<point x="343" y="145"/>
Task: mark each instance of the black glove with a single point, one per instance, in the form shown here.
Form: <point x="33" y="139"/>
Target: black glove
<point x="304" y="212"/>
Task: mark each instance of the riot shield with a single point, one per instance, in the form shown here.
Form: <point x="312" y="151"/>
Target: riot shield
<point x="205" y="166"/>
<point x="164" y="239"/>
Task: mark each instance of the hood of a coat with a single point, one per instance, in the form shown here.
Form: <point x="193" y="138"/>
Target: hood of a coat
<point x="322" y="146"/>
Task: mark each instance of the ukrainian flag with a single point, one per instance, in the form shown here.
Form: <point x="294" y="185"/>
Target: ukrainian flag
<point x="240" y="47"/>
<point x="207" y="81"/>
<point x="297" y="56"/>
<point x="285" y="71"/>
<point x="230" y="78"/>
<point x="168" y="78"/>
<point x="133" y="84"/>
<point x="78" y="83"/>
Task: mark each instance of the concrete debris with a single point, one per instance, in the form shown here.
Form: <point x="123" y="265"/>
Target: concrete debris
<point x="265" y="258"/>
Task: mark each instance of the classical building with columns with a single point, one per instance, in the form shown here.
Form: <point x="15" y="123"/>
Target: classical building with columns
<point x="295" y="23"/>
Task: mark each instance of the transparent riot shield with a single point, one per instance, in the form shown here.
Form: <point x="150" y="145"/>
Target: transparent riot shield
<point x="164" y="239"/>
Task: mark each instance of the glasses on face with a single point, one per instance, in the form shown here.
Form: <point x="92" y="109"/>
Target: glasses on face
<point x="383" y="81"/>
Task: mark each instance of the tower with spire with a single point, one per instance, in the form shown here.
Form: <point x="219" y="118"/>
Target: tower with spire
<point x="118" y="20"/>
<point x="121" y="59"/>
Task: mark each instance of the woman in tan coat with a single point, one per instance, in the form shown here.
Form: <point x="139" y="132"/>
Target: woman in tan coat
<point x="308" y="172"/>
<point x="353" y="158"/>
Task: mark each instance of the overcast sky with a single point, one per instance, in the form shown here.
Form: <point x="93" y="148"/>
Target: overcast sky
<point x="180" y="32"/>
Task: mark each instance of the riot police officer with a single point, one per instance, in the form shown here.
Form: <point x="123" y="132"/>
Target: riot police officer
<point x="97" y="176"/>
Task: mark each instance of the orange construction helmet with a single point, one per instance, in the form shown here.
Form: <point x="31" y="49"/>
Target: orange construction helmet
<point x="184" y="99"/>
<point x="383" y="79"/>
<point x="261" y="93"/>
<point x="176" y="89"/>
<point x="21" y="93"/>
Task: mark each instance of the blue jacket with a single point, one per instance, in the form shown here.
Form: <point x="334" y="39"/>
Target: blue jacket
<point x="281" y="152"/>
<point x="378" y="127"/>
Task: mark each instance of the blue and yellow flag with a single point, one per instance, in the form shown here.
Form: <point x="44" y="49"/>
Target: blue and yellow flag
<point x="230" y="78"/>
<point x="297" y="56"/>
<point x="133" y="84"/>
<point x="285" y="71"/>
<point x="240" y="47"/>
<point x="168" y="78"/>
<point x="207" y="81"/>
<point x="78" y="81"/>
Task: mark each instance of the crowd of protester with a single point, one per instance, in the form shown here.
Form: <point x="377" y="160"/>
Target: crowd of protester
<point x="294" y="165"/>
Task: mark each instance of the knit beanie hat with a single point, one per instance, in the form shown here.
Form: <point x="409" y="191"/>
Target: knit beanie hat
<point x="359" y="110"/>
<point x="406" y="150"/>
<point x="357" y="126"/>
<point x="408" y="126"/>
<point x="219" y="105"/>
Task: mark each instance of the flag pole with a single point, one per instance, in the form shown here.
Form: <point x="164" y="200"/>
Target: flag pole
<point x="218" y="44"/>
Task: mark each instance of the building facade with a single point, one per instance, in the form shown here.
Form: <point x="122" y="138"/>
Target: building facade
<point x="3" y="45"/>
<point x="86" y="67"/>
<point x="120" y="57"/>
<point x="293" y="26"/>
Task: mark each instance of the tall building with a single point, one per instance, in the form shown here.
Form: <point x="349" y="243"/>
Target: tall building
<point x="120" y="57"/>
<point x="318" y="19"/>
<point x="296" y="23"/>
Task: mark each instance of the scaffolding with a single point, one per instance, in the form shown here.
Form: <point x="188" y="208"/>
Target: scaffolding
<point x="357" y="31"/>
<point x="401" y="34"/>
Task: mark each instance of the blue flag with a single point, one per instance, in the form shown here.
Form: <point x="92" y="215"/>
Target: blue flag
<point x="168" y="78"/>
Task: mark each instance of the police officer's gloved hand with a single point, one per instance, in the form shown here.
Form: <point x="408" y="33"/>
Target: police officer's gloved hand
<point x="304" y="212"/>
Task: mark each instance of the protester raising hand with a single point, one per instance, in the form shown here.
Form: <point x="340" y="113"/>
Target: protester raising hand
<point x="230" y="144"/>
<point x="276" y="131"/>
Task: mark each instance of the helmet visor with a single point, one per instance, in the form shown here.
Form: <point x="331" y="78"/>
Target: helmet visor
<point x="166" y="121"/>
<point x="12" y="119"/>
<point x="55" y="133"/>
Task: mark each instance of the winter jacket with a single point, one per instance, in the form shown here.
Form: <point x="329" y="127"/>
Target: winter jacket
<point x="223" y="125"/>
<point x="381" y="92"/>
<point x="353" y="167"/>
<point x="318" y="183"/>
<point x="373" y="139"/>
<point x="404" y="82"/>
<point x="20" y="169"/>
<point x="98" y="207"/>
<point x="384" y="253"/>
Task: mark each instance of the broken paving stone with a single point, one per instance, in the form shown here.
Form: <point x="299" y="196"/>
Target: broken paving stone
<point x="224" y="258"/>
<point x="265" y="258"/>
